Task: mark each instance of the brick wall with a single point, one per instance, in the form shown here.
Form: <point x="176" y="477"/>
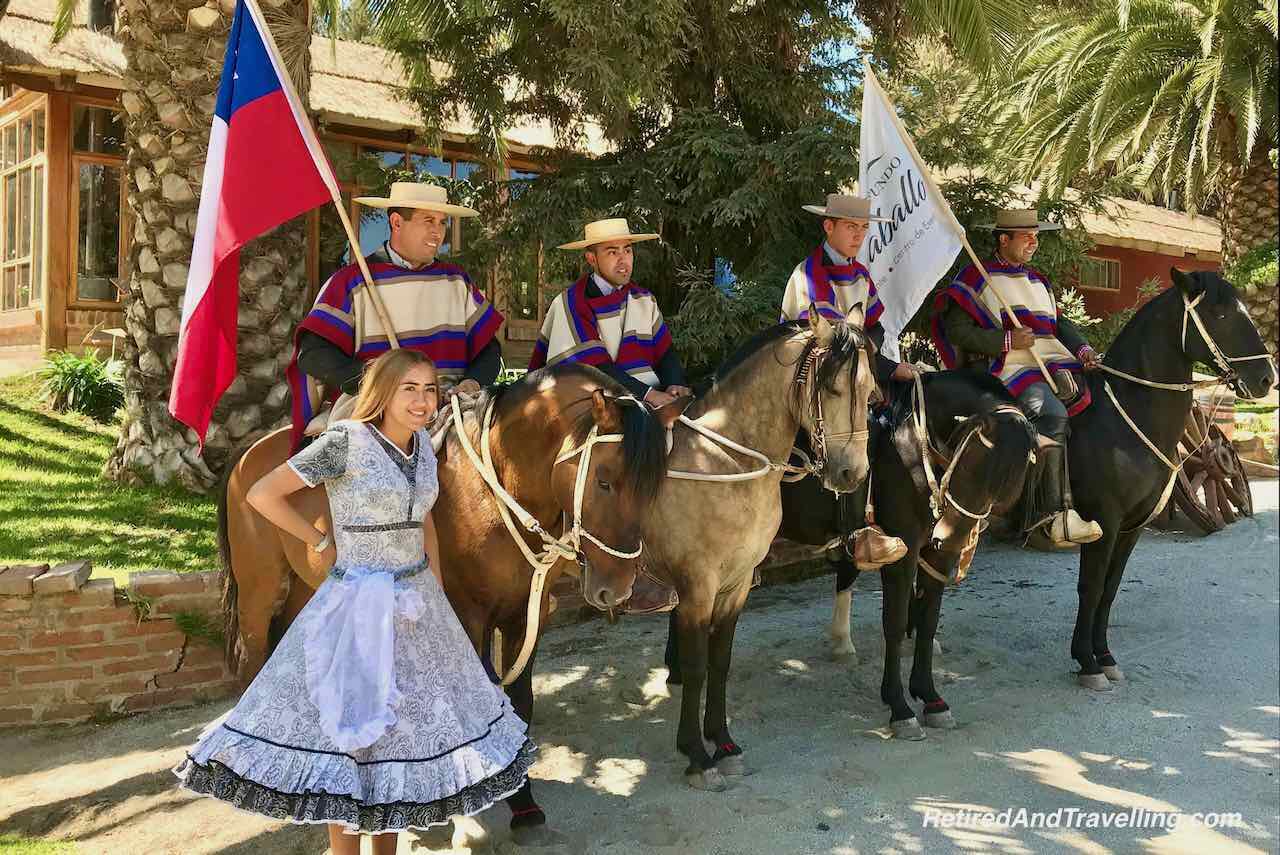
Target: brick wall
<point x="72" y="648"/>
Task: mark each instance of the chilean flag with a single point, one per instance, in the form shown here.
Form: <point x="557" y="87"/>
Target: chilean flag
<point x="265" y="167"/>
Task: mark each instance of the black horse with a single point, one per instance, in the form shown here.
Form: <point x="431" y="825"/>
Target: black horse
<point x="1118" y="480"/>
<point x="970" y="419"/>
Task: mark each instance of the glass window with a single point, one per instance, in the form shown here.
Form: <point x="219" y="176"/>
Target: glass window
<point x="98" y="130"/>
<point x="24" y="139"/>
<point x="38" y="119"/>
<point x="387" y="158"/>
<point x="464" y="169"/>
<point x="24" y="212"/>
<point x="342" y="158"/>
<point x="1100" y="273"/>
<point x="10" y="289"/>
<point x="98" y="252"/>
<point x="429" y="164"/>
<point x="37" y="233"/>
<point x="24" y="286"/>
<point x="10" y="217"/>
<point x="10" y="145"/>
<point x="375" y="229"/>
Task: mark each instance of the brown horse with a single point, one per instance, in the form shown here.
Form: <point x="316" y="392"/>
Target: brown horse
<point x="268" y="576"/>
<point x="705" y="539"/>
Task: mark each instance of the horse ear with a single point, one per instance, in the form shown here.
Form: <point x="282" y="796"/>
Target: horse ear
<point x="667" y="414"/>
<point x="606" y="412"/>
<point x="856" y="316"/>
<point x="823" y="332"/>
<point x="1183" y="281"/>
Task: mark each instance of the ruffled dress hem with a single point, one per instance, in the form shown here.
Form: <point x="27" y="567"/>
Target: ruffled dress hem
<point x="215" y="780"/>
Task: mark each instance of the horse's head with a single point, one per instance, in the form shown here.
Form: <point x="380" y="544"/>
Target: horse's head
<point x="984" y="463"/>
<point x="1218" y="331"/>
<point x="610" y="469"/>
<point x="834" y="382"/>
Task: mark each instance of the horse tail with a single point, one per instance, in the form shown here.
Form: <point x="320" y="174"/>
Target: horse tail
<point x="230" y="590"/>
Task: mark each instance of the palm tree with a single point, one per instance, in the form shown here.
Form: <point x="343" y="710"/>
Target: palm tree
<point x="1174" y="95"/>
<point x="175" y="54"/>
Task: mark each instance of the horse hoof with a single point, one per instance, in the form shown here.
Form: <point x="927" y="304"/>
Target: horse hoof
<point x="734" y="766"/>
<point x="709" y="780"/>
<point x="908" y="729"/>
<point x="941" y="720"/>
<point x="1113" y="673"/>
<point x="1096" y="682"/>
<point x="537" y="835"/>
<point x="844" y="651"/>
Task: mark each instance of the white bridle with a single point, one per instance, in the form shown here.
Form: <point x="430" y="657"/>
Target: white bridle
<point x="1228" y="373"/>
<point x="568" y="545"/>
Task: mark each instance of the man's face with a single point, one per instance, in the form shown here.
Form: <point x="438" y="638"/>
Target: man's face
<point x="613" y="261"/>
<point x="419" y="237"/>
<point x="1020" y="246"/>
<point x="846" y="236"/>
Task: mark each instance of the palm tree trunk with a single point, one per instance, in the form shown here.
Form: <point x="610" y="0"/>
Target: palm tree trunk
<point x="1248" y="222"/>
<point x="175" y="53"/>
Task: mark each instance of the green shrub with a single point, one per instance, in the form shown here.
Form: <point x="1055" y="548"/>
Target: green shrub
<point x="1257" y="269"/>
<point x="711" y="324"/>
<point x="83" y="384"/>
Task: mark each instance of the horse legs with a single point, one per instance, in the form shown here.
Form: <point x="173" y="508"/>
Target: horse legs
<point x="671" y="656"/>
<point x="262" y="585"/>
<point x="525" y="812"/>
<point x="926" y="606"/>
<point x="839" y="632"/>
<point x="693" y="624"/>
<point x="1095" y="561"/>
<point x="1125" y="543"/>
<point x="715" y="723"/>
<point x="897" y="581"/>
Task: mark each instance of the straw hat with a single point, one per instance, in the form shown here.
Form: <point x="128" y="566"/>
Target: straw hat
<point x="424" y="197"/>
<point x="1020" y="221"/>
<point x="841" y="207"/>
<point x="603" y="231"/>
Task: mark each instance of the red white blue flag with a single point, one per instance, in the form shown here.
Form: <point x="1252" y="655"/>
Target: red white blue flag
<point x="265" y="167"/>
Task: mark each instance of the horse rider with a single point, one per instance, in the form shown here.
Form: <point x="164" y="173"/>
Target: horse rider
<point x="432" y="305"/>
<point x="832" y="280"/>
<point x="971" y="328"/>
<point x="608" y="321"/>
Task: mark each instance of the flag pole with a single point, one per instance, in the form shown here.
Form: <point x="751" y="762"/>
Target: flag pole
<point x="317" y="152"/>
<point x="869" y="78"/>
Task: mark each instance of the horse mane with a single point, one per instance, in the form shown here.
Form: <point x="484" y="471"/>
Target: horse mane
<point x="1001" y="469"/>
<point x="644" y="440"/>
<point x="847" y="342"/>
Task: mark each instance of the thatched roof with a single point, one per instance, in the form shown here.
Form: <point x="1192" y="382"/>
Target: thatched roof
<point x="26" y="33"/>
<point x="363" y="85"/>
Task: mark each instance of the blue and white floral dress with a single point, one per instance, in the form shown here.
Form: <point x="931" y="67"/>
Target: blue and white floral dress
<point x="374" y="710"/>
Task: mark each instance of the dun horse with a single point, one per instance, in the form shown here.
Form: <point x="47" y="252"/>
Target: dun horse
<point x="1126" y="441"/>
<point x="705" y="539"/>
<point x="269" y="576"/>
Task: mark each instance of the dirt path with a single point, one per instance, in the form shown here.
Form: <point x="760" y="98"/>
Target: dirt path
<point x="1196" y="729"/>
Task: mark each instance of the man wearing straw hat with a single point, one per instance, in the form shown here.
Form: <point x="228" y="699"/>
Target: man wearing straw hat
<point x="971" y="327"/>
<point x="606" y="320"/>
<point x="431" y="304"/>
<point x="832" y="280"/>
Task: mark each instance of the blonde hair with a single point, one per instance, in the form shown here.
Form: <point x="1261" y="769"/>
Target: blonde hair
<point x="382" y="378"/>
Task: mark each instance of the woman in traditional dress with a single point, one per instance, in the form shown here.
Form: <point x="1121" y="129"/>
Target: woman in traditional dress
<point x="374" y="714"/>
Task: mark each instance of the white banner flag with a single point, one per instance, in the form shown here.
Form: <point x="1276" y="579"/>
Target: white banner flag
<point x="909" y="255"/>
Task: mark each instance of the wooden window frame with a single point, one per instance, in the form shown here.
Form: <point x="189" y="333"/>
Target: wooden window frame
<point x="1119" y="276"/>
<point x="73" y="213"/>
<point x="13" y="111"/>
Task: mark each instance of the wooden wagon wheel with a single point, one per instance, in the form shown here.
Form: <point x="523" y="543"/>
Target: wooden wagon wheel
<point x="1212" y="489"/>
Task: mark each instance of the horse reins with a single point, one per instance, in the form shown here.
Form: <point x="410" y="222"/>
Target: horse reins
<point x="1228" y="374"/>
<point x="568" y="545"/>
<point x="791" y="472"/>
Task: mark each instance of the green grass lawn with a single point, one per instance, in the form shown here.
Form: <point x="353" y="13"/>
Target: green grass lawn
<point x="16" y="844"/>
<point x="55" y="506"/>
